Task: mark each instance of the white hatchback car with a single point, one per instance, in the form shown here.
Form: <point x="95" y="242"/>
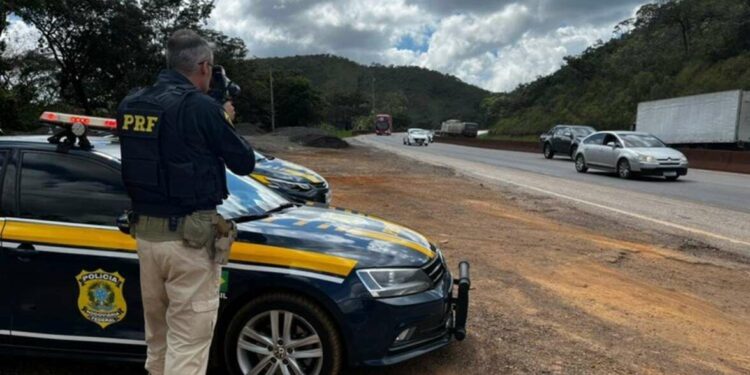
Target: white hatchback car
<point x="419" y="137"/>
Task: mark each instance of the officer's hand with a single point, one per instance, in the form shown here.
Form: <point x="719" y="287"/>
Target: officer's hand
<point x="229" y="108"/>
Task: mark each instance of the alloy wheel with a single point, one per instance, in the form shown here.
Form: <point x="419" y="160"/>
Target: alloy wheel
<point x="279" y="342"/>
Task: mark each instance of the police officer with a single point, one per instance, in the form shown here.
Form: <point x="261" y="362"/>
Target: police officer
<point x="176" y="142"/>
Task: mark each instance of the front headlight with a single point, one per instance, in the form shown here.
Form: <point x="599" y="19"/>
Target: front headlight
<point x="394" y="282"/>
<point x="283" y="184"/>
<point x="646" y="159"/>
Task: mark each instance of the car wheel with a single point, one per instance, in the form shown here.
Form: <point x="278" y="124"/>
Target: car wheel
<point x="581" y="164"/>
<point x="282" y="333"/>
<point x="573" y="153"/>
<point x="672" y="178"/>
<point x="548" y="151"/>
<point x="623" y="169"/>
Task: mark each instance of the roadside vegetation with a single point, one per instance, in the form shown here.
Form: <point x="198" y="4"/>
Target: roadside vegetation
<point x="671" y="48"/>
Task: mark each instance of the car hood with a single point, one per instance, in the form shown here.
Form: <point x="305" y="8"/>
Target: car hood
<point x="339" y="233"/>
<point x="284" y="170"/>
<point x="659" y="152"/>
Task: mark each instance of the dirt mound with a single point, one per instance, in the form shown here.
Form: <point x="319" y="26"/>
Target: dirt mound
<point x="248" y="129"/>
<point x="318" y="140"/>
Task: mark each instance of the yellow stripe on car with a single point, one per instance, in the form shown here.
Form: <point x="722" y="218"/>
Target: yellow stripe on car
<point x="65" y="235"/>
<point x="113" y="239"/>
<point x="298" y="259"/>
<point x="390" y="238"/>
<point x="260" y="178"/>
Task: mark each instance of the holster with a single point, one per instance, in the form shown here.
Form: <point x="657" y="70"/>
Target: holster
<point x="225" y="235"/>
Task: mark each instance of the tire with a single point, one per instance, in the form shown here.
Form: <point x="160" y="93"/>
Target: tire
<point x="317" y="338"/>
<point x="573" y="153"/>
<point x="672" y="178"/>
<point x="581" y="164"/>
<point x="548" y="153"/>
<point x="623" y="169"/>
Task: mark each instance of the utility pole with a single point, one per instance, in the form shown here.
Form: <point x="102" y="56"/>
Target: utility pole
<point x="372" y="90"/>
<point x="273" y="108"/>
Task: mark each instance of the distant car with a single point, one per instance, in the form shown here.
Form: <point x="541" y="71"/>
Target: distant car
<point x="630" y="154"/>
<point x="417" y="137"/>
<point x="293" y="181"/>
<point x="563" y="139"/>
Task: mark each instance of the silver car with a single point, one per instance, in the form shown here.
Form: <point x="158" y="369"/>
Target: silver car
<point x="629" y="154"/>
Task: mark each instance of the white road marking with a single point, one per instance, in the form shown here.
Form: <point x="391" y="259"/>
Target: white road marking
<point x="106" y="340"/>
<point x="684" y="228"/>
<point x="623" y="212"/>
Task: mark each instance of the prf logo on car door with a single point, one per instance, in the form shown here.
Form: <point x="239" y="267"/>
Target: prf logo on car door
<point x="100" y="297"/>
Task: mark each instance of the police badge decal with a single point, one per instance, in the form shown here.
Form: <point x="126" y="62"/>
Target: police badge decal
<point x="100" y="297"/>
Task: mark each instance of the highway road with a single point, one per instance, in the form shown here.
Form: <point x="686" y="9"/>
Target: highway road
<point x="709" y="204"/>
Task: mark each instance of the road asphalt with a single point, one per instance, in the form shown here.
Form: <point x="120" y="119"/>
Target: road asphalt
<point x="711" y="206"/>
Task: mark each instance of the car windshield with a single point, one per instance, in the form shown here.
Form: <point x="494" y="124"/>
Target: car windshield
<point x="641" y="140"/>
<point x="381" y="124"/>
<point x="248" y="197"/>
<point x="581" y="132"/>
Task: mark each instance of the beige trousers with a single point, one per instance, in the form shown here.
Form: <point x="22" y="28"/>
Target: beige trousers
<point x="180" y="291"/>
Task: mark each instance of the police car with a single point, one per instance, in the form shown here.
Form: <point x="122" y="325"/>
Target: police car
<point x="293" y="181"/>
<point x="308" y="290"/>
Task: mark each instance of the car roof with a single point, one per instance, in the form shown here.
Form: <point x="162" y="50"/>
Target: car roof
<point x="107" y="145"/>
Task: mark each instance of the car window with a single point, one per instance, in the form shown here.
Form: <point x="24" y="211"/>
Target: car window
<point x="611" y="138"/>
<point x="248" y="197"/>
<point x="581" y="132"/>
<point x="595" y="139"/>
<point x="641" y="140"/>
<point x="68" y="188"/>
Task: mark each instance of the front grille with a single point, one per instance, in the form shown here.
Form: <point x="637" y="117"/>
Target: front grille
<point x="435" y="269"/>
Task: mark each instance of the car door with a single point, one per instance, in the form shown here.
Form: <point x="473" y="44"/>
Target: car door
<point x="5" y="289"/>
<point x="562" y="140"/>
<point x="593" y="148"/>
<point x="74" y="275"/>
<point x="608" y="155"/>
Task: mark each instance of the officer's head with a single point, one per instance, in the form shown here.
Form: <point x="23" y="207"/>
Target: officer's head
<point x="192" y="56"/>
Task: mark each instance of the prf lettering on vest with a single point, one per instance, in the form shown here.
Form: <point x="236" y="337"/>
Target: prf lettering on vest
<point x="139" y="123"/>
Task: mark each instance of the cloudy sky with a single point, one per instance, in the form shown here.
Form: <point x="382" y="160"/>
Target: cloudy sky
<point x="495" y="44"/>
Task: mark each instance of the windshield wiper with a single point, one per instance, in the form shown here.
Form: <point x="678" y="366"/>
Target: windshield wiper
<point x="280" y="208"/>
<point x="246" y="218"/>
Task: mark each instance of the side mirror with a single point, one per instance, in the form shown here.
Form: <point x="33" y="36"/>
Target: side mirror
<point x="612" y="144"/>
<point x="123" y="224"/>
<point x="568" y="134"/>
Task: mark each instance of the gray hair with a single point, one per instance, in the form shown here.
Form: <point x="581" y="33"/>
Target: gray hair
<point x="186" y="49"/>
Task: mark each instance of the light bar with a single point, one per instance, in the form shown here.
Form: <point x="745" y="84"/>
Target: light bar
<point x="100" y="123"/>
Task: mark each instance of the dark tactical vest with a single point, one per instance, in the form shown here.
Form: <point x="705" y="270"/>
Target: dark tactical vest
<point x="165" y="176"/>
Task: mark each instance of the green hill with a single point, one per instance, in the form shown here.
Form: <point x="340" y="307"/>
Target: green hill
<point x="671" y="48"/>
<point x="424" y="97"/>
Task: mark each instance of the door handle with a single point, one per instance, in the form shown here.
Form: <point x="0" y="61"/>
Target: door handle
<point x="24" y="251"/>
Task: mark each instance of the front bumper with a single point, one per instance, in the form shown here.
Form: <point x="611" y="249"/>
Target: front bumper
<point x="663" y="170"/>
<point x="433" y="318"/>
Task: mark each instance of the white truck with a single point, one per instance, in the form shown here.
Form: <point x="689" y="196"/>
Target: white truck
<point x="717" y="119"/>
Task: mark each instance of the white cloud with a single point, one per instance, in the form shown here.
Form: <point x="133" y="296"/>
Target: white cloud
<point x="495" y="44"/>
<point x="19" y="38"/>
